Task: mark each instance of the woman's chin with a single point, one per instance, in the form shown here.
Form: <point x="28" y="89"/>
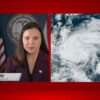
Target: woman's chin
<point x="31" y="52"/>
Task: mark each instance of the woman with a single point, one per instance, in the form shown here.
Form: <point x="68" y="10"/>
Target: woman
<point x="31" y="56"/>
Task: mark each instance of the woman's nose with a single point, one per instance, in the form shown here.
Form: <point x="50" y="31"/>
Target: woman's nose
<point x="31" y="41"/>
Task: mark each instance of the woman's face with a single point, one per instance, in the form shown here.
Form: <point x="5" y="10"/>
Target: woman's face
<point x="31" y="40"/>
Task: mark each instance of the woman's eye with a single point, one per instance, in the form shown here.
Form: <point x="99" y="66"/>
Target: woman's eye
<point x="27" y="38"/>
<point x="36" y="38"/>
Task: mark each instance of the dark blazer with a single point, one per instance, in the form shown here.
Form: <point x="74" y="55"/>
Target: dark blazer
<point x="39" y="74"/>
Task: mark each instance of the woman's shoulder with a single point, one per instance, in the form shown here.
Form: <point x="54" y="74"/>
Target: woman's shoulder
<point x="43" y="55"/>
<point x="9" y="67"/>
<point x="9" y="61"/>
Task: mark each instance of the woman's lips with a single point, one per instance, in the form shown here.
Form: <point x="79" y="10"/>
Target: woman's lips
<point x="31" y="47"/>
